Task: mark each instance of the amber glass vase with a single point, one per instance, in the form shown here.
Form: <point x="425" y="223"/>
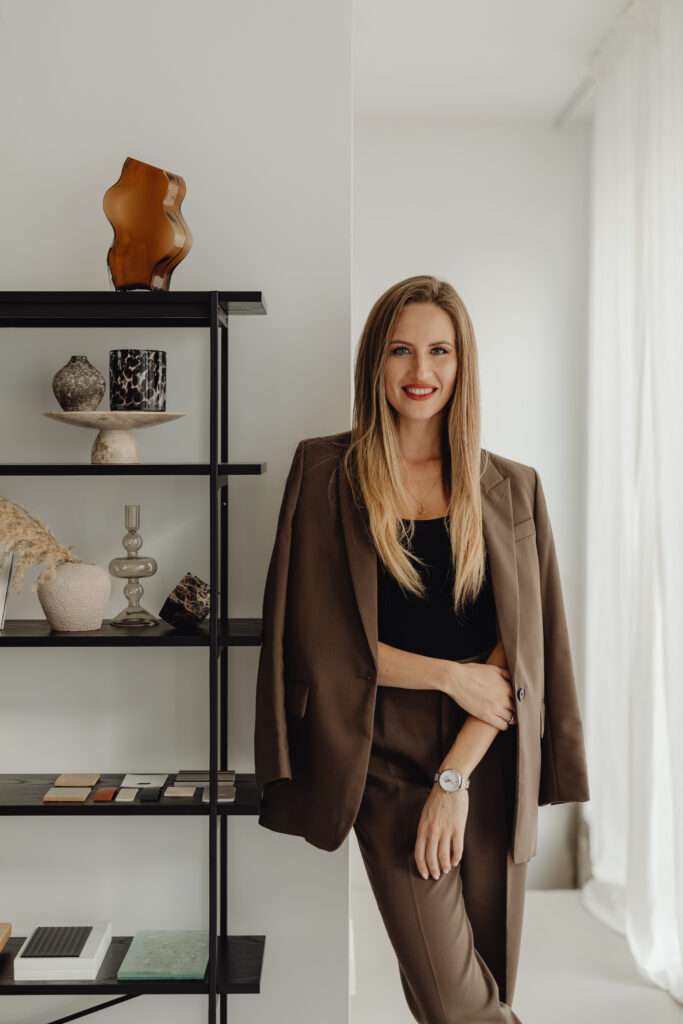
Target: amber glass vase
<point x="150" y="233"/>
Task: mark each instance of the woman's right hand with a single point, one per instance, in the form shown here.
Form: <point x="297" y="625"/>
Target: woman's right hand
<point x="483" y="690"/>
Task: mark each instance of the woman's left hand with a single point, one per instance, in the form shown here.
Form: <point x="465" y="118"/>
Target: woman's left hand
<point x="441" y="831"/>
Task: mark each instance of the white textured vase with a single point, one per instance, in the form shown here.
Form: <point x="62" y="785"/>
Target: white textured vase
<point x="75" y="599"/>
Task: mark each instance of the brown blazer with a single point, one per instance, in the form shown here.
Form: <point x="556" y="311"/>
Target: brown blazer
<point x="317" y="671"/>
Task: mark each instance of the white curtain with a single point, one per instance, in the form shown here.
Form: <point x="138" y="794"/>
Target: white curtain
<point x="634" y="581"/>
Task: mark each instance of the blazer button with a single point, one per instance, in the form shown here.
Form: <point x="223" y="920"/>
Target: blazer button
<point x="521" y="693"/>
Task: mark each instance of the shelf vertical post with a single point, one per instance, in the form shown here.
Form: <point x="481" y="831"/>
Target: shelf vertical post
<point x="213" y="653"/>
<point x="223" y="547"/>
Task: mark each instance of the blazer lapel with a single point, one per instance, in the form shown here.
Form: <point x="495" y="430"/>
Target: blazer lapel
<point x="362" y="558"/>
<point x="499" y="535"/>
<point x="498" y="525"/>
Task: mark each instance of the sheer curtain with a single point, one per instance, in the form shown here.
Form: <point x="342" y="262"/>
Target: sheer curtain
<point x="634" y="583"/>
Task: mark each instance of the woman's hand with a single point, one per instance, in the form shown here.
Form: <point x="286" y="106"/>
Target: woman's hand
<point x="441" y="831"/>
<point x="484" y="690"/>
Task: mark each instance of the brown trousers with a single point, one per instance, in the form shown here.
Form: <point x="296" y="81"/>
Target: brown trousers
<point x="456" y="938"/>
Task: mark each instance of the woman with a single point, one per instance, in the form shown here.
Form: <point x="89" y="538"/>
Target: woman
<point x="440" y="763"/>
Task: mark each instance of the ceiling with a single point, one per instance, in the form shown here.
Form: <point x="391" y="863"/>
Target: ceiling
<point x="483" y="58"/>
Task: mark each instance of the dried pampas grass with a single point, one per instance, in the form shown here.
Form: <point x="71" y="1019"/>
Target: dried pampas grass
<point x="32" y="543"/>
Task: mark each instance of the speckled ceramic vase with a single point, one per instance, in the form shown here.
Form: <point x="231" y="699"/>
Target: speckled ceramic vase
<point x="79" y="386"/>
<point x="74" y="601"/>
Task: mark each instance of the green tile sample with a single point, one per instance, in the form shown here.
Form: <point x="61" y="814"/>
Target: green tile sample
<point x="166" y="955"/>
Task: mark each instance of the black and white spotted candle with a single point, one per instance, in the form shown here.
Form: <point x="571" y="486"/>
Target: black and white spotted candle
<point x="137" y="380"/>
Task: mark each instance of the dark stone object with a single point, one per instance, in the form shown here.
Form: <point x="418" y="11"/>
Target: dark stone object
<point x="188" y="604"/>
<point x="150" y="794"/>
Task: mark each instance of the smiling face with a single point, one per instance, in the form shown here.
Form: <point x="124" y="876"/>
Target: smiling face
<point x="421" y="362"/>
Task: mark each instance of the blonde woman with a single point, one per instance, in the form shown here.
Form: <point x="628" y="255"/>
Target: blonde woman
<point x="415" y="679"/>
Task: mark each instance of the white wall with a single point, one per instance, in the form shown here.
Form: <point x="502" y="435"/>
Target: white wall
<point x="251" y="104"/>
<point x="499" y="209"/>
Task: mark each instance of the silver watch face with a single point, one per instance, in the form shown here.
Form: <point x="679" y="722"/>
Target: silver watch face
<point x="450" y="779"/>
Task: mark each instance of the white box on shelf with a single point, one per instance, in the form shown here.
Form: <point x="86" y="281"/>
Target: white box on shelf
<point x="66" y="968"/>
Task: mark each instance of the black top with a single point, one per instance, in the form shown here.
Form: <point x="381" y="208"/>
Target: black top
<point x="429" y="625"/>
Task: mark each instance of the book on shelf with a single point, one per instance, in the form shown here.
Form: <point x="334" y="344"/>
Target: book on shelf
<point x="126" y="796"/>
<point x="144" y="780"/>
<point x="198" y="777"/>
<point x="77" y="779"/>
<point x="179" y="792"/>
<point x="170" y="955"/>
<point x="226" y="793"/>
<point x="66" y="795"/>
<point x="63" y="952"/>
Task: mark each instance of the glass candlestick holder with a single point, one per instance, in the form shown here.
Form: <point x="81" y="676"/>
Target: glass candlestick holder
<point x="133" y="568"/>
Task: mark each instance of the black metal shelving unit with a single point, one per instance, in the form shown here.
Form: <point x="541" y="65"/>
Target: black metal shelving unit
<point x="235" y="961"/>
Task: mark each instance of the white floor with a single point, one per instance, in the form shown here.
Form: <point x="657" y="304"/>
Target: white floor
<point x="573" y="970"/>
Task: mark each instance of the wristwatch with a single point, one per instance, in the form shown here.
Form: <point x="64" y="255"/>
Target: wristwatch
<point x="451" y="780"/>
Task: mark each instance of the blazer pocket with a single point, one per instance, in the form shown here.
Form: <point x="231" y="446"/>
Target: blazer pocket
<point x="525" y="528"/>
<point x="542" y="718"/>
<point x="297" y="696"/>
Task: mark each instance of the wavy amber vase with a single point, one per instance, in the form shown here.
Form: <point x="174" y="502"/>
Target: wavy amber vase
<point x="150" y="233"/>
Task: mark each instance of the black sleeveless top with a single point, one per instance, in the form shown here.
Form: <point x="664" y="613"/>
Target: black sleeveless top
<point x="429" y="625"/>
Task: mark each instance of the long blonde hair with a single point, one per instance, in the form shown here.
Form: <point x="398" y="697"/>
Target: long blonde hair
<point x="371" y="462"/>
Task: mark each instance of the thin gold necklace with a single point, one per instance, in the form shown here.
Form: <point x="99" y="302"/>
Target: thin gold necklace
<point x="420" y="504"/>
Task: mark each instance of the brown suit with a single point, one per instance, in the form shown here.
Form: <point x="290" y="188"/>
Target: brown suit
<point x="317" y="672"/>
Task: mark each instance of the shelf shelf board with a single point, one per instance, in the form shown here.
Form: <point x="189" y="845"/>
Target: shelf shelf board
<point x="21" y="795"/>
<point x="238" y="970"/>
<point x="133" y="469"/>
<point x="123" y="309"/>
<point x="37" y="633"/>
